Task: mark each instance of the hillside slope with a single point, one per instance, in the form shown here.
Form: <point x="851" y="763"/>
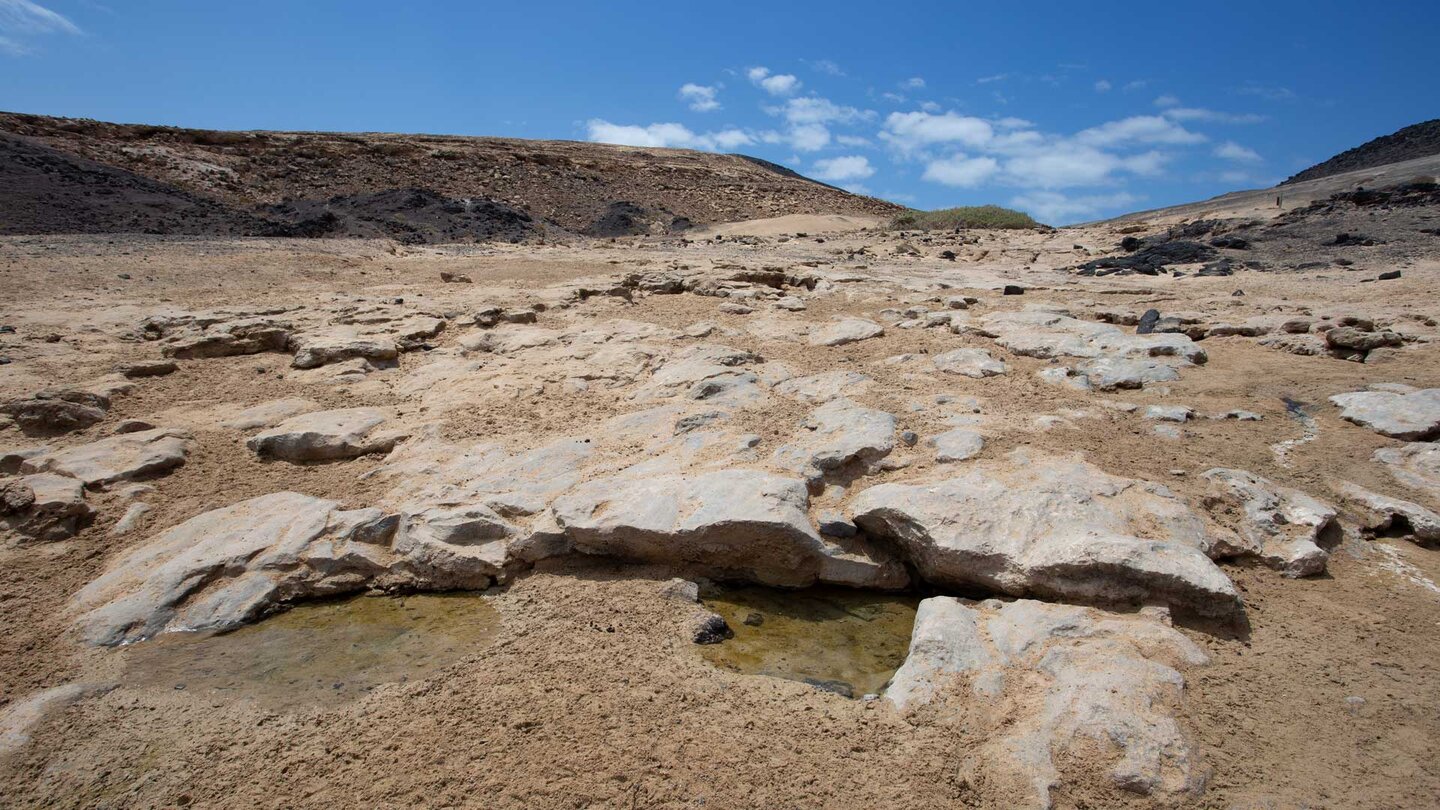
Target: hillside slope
<point x="1415" y="141"/>
<point x="356" y="184"/>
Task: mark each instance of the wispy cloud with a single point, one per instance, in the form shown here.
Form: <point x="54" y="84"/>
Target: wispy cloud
<point x="1231" y="150"/>
<point x="665" y="135"/>
<point x="1103" y="86"/>
<point x="827" y="67"/>
<point x="913" y="83"/>
<point x="776" y="84"/>
<point x="700" y="97"/>
<point x="998" y="77"/>
<point x="1057" y="208"/>
<point x="1266" y="91"/>
<point x="21" y="20"/>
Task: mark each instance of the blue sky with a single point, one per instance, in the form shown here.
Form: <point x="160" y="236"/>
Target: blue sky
<point x="1069" y="110"/>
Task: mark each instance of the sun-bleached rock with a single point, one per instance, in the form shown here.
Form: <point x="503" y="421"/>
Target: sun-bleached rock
<point x="745" y="523"/>
<point x="1050" y="680"/>
<point x="1112" y="374"/>
<point x="227" y="566"/>
<point x="1282" y="527"/>
<point x="45" y="415"/>
<point x="269" y="414"/>
<point x="824" y="386"/>
<point x="200" y="338"/>
<point x="958" y="445"/>
<point x="1392" y="517"/>
<point x="976" y="363"/>
<point x="845" y="331"/>
<point x="1416" y="465"/>
<point x="326" y="436"/>
<point x="1048" y="335"/>
<point x="119" y="458"/>
<point x="315" y="349"/>
<point x="44" y="507"/>
<point x="1051" y="527"/>
<point x="839" y="435"/>
<point x="1414" y="416"/>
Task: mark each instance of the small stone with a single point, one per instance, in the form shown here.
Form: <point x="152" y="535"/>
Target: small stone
<point x="454" y="278"/>
<point x="753" y="619"/>
<point x="710" y="628"/>
<point x="1147" y="322"/>
<point x="132" y="426"/>
<point x="1013" y="289"/>
<point x="150" y="368"/>
<point x="1387" y="276"/>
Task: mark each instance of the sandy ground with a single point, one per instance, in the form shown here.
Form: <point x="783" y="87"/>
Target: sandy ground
<point x="592" y="695"/>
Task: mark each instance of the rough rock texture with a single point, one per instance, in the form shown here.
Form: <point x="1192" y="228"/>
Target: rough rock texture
<point x="958" y="445"/>
<point x="45" y="507"/>
<point x="825" y="386"/>
<point x="975" y="363"/>
<point x="847" y="330"/>
<point x="1414" y="416"/>
<point x="1415" y="465"/>
<point x="268" y="414"/>
<point x="1052" y="527"/>
<point x="1283" y="527"/>
<point x="126" y="457"/>
<point x="18" y="719"/>
<point x="1055" y="680"/>
<point x="195" y="338"/>
<point x="313" y="350"/>
<point x="837" y="436"/>
<point x="745" y="523"/>
<point x="51" y="415"/>
<point x="1047" y="334"/>
<point x="227" y="566"/>
<point x="1391" y="517"/>
<point x="326" y="436"/>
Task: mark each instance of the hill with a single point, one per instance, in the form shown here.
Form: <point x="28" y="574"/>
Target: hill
<point x="75" y="175"/>
<point x="1415" y="141"/>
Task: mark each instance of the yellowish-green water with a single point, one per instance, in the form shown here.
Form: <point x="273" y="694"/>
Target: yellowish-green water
<point x="321" y="652"/>
<point x="844" y="640"/>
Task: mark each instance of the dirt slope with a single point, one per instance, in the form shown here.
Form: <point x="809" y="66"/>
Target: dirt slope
<point x="1415" y="141"/>
<point x="595" y="189"/>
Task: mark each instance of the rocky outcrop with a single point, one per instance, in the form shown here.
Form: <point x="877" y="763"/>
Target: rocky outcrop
<point x="1055" y="528"/>
<point x="229" y="565"/>
<point x="845" y="331"/>
<point x="976" y="363"/>
<point x="838" y="436"/>
<point x="1416" y="465"/>
<point x="315" y="349"/>
<point x="44" y="507"/>
<point x="326" y="436"/>
<point x="1381" y="515"/>
<point x="1282" y="527"/>
<point x="1053" y="681"/>
<point x="126" y="457"/>
<point x="1414" y="415"/>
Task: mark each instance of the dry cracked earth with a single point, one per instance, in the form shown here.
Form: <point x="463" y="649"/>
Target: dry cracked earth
<point x="1177" y="560"/>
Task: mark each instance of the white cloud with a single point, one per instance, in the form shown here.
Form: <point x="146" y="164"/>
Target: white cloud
<point x="1138" y="129"/>
<point x="1167" y="101"/>
<point x="817" y="110"/>
<point x="1138" y="84"/>
<point x="1103" y="86"/>
<point x="853" y="140"/>
<point x="962" y="171"/>
<point x="998" y="77"/>
<point x="665" y="135"/>
<point x="827" y="67"/>
<point x="1066" y="165"/>
<point x="809" y="137"/>
<point x="913" y="83"/>
<point x="857" y="188"/>
<point x="849" y="167"/>
<point x="893" y="98"/>
<point x="910" y="131"/>
<point x="21" y="19"/>
<point x="1201" y="114"/>
<point x="776" y="84"/>
<point x="1231" y="150"/>
<point x="1056" y="208"/>
<point x="701" y="97"/>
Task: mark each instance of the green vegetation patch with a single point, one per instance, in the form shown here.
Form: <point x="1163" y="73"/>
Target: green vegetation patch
<point x="969" y="216"/>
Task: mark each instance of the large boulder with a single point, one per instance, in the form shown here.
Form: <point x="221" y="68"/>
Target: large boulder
<point x="1382" y="515"/>
<point x="126" y="457"/>
<point x="1056" y="528"/>
<point x="326" y="436"/>
<point x="229" y="565"/>
<point x="1282" y="527"/>
<point x="198" y="339"/>
<point x="1057" y="683"/>
<point x="1414" y="416"/>
<point x="44" y="415"/>
<point x="745" y="524"/>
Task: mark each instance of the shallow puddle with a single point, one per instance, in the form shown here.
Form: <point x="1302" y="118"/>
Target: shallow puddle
<point x="320" y="652"/>
<point x="843" y="640"/>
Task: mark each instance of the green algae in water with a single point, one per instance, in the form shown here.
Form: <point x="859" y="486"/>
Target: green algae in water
<point x="319" y="653"/>
<point x="829" y="637"/>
